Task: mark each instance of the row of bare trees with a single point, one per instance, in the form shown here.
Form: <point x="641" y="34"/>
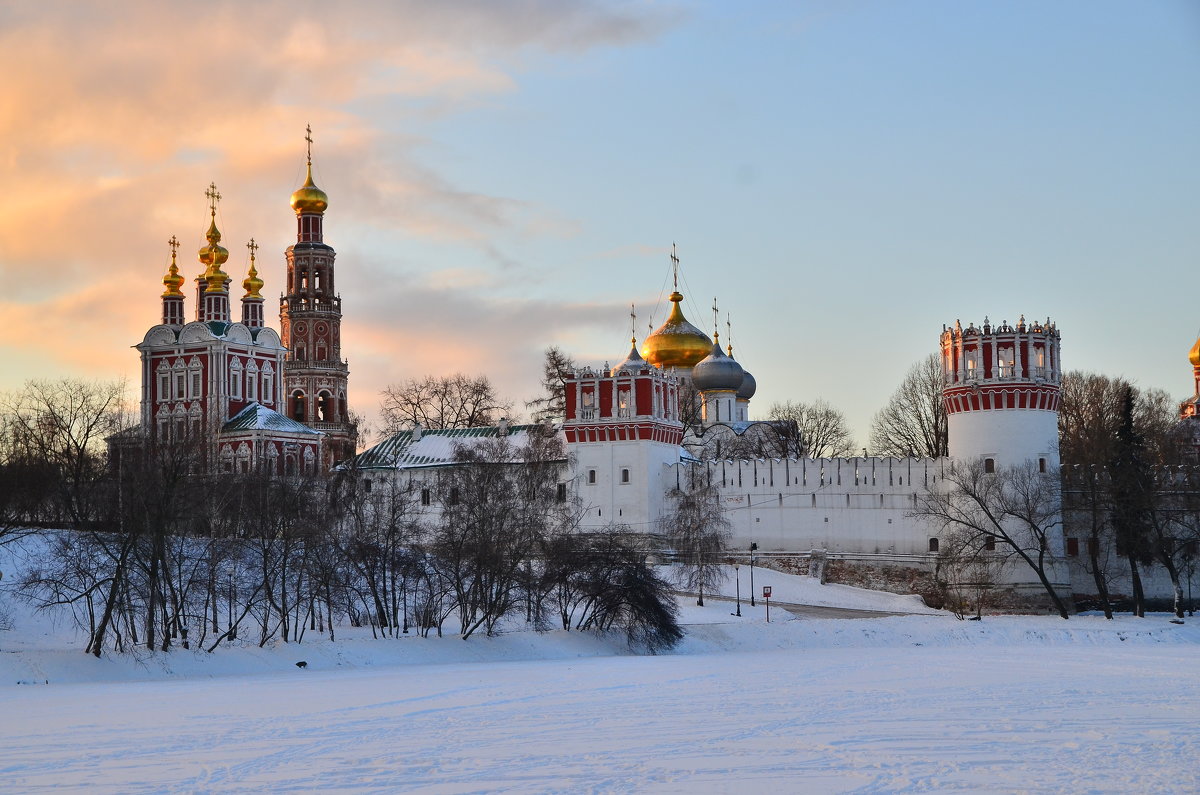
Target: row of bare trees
<point x="1131" y="487"/>
<point x="150" y="552"/>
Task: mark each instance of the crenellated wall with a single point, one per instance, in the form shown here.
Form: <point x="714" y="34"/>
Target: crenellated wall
<point x="838" y="504"/>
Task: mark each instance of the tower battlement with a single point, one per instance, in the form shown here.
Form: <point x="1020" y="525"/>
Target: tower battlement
<point x="1001" y="390"/>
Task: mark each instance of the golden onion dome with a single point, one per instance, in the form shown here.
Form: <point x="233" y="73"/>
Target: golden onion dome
<point x="172" y="281"/>
<point x="308" y="198"/>
<point x="252" y="284"/>
<point x="676" y="343"/>
<point x="1194" y="354"/>
<point x="213" y="256"/>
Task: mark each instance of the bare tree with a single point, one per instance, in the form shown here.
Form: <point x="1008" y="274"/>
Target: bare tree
<point x="456" y="401"/>
<point x="1018" y="507"/>
<point x="1115" y="440"/>
<point x="551" y="404"/>
<point x="813" y="430"/>
<point x="698" y="531"/>
<point x="499" y="504"/>
<point x="913" y="423"/>
<point x="59" y="428"/>
<point x="968" y="570"/>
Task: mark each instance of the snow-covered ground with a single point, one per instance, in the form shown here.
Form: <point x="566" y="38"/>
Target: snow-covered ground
<point x="907" y="703"/>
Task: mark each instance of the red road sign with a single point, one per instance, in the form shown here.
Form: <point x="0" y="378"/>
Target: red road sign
<point x="766" y="591"/>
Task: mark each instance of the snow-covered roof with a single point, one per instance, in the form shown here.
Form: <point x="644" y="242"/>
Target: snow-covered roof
<point x="435" y="447"/>
<point x="257" y="417"/>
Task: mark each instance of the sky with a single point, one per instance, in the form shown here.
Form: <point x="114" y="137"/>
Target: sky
<point x="843" y="177"/>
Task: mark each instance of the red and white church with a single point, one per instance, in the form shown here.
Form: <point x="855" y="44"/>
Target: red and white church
<point x="248" y="398"/>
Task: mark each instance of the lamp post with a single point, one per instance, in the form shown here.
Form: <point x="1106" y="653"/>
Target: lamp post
<point x="404" y="596"/>
<point x="1189" y="564"/>
<point x="753" y="548"/>
<point x="738" y="580"/>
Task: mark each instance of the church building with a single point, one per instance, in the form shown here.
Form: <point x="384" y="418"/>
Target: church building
<point x="246" y="398"/>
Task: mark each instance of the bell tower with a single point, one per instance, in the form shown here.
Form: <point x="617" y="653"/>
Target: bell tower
<point x="310" y="315"/>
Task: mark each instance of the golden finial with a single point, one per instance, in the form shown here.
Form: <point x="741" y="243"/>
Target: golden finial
<point x="252" y="283"/>
<point x="173" y="281"/>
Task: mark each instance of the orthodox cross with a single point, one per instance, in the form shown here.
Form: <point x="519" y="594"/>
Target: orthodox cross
<point x="675" y="266"/>
<point x="174" y="244"/>
<point x="633" y="323"/>
<point x="716" y="317"/>
<point x="213" y="197"/>
<point x="308" y="137"/>
<point x="253" y="249"/>
<point x="729" y="333"/>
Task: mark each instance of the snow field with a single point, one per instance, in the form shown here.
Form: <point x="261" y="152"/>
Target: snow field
<point x="912" y="703"/>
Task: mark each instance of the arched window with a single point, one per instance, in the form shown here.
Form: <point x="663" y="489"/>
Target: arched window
<point x="989" y="465"/>
<point x="298" y="405"/>
<point x="933" y="545"/>
<point x="324" y="407"/>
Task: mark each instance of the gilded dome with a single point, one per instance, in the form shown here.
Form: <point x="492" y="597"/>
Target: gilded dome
<point x="718" y="372"/>
<point x="213" y="256"/>
<point x="308" y="198"/>
<point x="676" y="343"/>
<point x="172" y="281"/>
<point x="252" y="284"/>
<point x="1194" y="354"/>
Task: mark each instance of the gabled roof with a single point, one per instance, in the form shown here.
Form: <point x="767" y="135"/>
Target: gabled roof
<point x="257" y="417"/>
<point x="434" y="447"/>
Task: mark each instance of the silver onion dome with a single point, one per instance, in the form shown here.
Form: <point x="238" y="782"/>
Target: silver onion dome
<point x="748" y="388"/>
<point x="717" y="372"/>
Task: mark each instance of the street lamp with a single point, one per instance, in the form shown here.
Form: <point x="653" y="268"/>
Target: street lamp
<point x="1189" y="564"/>
<point x="753" y="549"/>
<point x="738" y="579"/>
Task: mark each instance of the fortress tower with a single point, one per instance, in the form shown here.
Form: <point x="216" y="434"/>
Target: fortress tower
<point x="1001" y="390"/>
<point x="622" y="427"/>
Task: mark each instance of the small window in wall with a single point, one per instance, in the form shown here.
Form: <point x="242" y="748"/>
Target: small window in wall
<point x="1041" y="465"/>
<point x="179" y="385"/>
<point x="266" y="388"/>
<point x="1073" y="547"/>
<point x="425" y="499"/>
<point x="933" y="545"/>
<point x="560" y="493"/>
<point x="989" y="465"/>
<point x="454" y="496"/>
<point x="591" y="476"/>
<point x="989" y="543"/>
<point x="624" y="475"/>
<point x="367" y="486"/>
<point x="195" y="385"/>
<point x="164" y="387"/>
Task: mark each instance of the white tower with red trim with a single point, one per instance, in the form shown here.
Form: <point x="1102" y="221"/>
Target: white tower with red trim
<point x="622" y="428"/>
<point x="1001" y="391"/>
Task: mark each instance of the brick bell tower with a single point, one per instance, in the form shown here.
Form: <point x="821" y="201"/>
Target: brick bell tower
<point x="310" y="315"/>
